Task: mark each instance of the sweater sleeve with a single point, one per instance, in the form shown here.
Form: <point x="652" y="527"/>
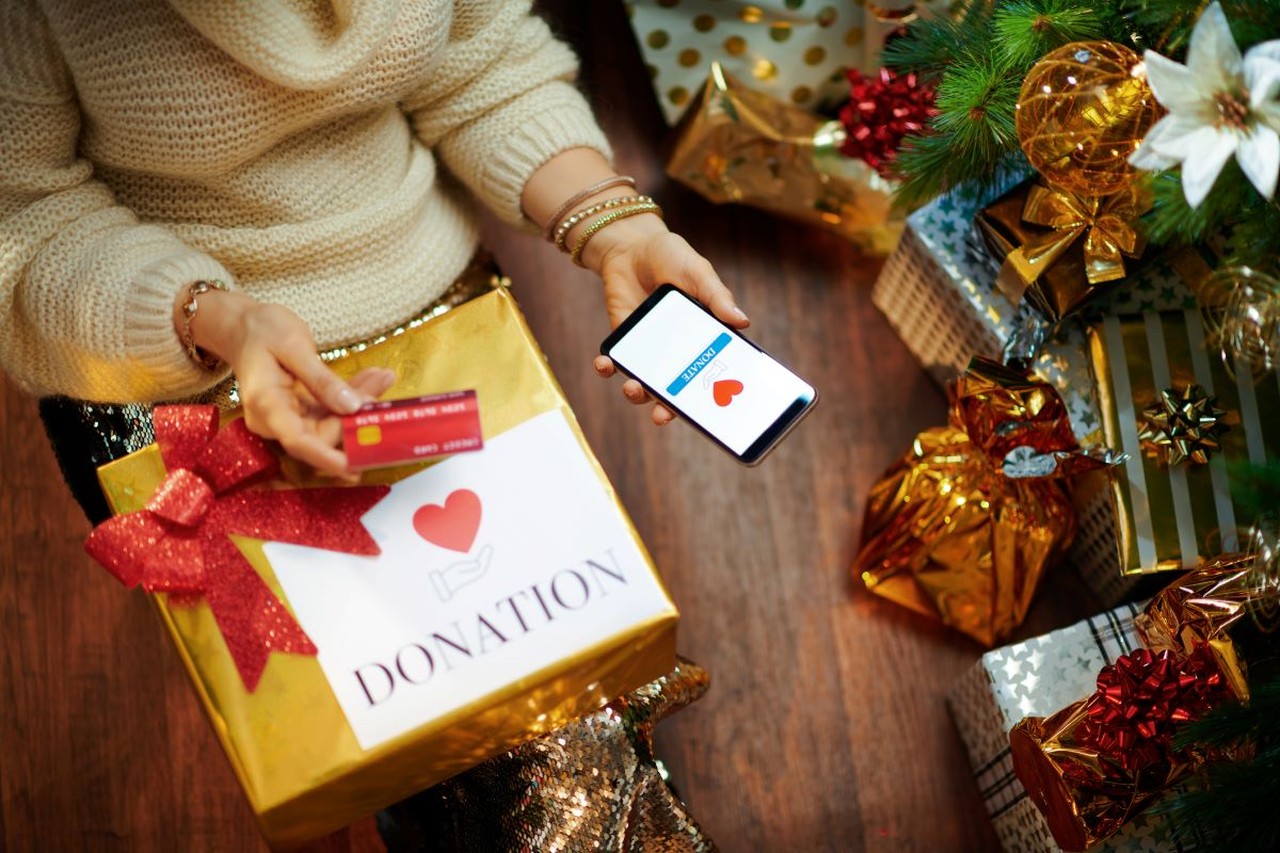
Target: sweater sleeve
<point x="86" y="291"/>
<point x="501" y="103"/>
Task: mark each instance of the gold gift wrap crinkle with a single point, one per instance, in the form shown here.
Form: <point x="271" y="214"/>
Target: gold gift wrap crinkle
<point x="1206" y="607"/>
<point x="965" y="524"/>
<point x="738" y="145"/>
<point x="1086" y="796"/>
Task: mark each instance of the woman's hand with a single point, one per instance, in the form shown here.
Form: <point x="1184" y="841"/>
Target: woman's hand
<point x="633" y="255"/>
<point x="636" y="255"/>
<point x="287" y="392"/>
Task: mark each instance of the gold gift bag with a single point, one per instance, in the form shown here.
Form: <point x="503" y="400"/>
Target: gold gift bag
<point x="741" y="146"/>
<point x="291" y="741"/>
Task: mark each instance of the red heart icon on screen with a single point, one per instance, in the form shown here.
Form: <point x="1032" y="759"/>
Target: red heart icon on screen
<point x="725" y="390"/>
<point x="452" y="525"/>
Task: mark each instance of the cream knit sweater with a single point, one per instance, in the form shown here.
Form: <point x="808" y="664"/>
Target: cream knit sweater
<point x="314" y="153"/>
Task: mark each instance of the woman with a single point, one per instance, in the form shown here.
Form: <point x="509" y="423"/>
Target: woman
<point x="193" y="190"/>
<point x="320" y="160"/>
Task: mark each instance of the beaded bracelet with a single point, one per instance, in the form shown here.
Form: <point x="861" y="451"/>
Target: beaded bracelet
<point x="562" y="231"/>
<point x="609" y="219"/>
<point x="580" y="197"/>
<point x="189" y="307"/>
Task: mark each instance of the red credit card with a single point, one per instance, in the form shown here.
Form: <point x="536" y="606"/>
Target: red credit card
<point x="392" y="432"/>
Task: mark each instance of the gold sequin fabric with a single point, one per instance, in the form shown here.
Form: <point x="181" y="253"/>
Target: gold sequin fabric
<point x="593" y="785"/>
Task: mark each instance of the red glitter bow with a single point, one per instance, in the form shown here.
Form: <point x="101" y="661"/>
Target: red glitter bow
<point x="881" y="111"/>
<point x="180" y="545"/>
<point x="1143" y="698"/>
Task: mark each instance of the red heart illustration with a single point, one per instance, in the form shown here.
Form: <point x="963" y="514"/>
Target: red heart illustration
<point x="725" y="390"/>
<point x="453" y="525"/>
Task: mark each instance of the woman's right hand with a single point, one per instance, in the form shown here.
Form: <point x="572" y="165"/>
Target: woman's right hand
<point x="287" y="392"/>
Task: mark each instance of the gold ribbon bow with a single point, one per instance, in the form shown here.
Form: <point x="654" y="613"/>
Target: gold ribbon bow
<point x="1106" y="223"/>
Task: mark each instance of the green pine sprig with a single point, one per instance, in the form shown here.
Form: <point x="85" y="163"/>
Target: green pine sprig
<point x="1256" y="488"/>
<point x="1251" y="223"/>
<point x="1232" y="806"/>
<point x="1028" y="29"/>
<point x="973" y="136"/>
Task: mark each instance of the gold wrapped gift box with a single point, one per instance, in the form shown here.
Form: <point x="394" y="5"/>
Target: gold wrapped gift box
<point x="288" y="741"/>
<point x="1172" y="517"/>
<point x="1057" y="250"/>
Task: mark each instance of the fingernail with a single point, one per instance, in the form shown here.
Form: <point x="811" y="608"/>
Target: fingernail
<point x="348" y="401"/>
<point x="740" y="314"/>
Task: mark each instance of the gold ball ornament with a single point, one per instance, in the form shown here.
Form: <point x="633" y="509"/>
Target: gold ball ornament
<point x="1083" y="109"/>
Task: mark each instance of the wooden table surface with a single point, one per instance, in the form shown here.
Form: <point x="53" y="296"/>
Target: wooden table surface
<point x="825" y="727"/>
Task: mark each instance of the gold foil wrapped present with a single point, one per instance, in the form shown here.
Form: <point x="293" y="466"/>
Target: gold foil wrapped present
<point x="1172" y="516"/>
<point x="291" y="744"/>
<point x="963" y="527"/>
<point x="1059" y="250"/>
<point x="739" y="145"/>
<point x="1207" y="607"/>
<point x="1098" y="762"/>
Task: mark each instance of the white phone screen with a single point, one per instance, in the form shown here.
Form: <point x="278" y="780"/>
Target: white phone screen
<point x="705" y="370"/>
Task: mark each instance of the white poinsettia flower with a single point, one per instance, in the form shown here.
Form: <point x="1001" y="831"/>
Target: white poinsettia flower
<point x="1219" y="104"/>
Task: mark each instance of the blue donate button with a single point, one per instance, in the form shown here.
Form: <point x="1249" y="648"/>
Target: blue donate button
<point x="695" y="367"/>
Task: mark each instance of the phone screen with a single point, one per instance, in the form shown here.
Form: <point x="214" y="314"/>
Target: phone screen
<point x="709" y="373"/>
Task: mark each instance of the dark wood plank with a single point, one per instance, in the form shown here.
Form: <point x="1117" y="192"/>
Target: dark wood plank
<point x="825" y="727"/>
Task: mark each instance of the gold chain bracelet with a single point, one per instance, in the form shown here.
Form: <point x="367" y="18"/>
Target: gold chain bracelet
<point x="562" y="231"/>
<point x="189" y="307"/>
<point x="609" y="219"/>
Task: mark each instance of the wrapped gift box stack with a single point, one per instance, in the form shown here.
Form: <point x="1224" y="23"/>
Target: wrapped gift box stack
<point x="938" y="290"/>
<point x="1038" y="677"/>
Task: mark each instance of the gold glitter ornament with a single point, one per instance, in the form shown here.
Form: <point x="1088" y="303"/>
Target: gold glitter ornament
<point x="1183" y="425"/>
<point x="1083" y="109"/>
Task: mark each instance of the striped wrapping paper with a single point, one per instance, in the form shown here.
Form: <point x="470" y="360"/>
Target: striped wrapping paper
<point x="1172" y="517"/>
<point x="1040" y="676"/>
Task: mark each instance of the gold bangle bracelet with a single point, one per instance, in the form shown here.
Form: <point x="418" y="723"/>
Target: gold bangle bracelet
<point x="609" y="219"/>
<point x="563" y="229"/>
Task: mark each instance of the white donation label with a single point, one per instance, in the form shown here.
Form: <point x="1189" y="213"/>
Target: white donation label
<point x="494" y="565"/>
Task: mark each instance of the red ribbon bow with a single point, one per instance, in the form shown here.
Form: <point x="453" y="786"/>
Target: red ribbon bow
<point x="180" y="545"/>
<point x="1143" y="698"/>
<point x="883" y="109"/>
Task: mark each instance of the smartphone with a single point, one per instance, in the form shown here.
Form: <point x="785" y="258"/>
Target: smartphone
<point x="734" y="392"/>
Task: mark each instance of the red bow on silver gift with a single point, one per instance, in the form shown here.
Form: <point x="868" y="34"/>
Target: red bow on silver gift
<point x="180" y="543"/>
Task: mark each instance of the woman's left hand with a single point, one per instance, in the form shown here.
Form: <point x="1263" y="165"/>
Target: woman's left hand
<point x="636" y="255"/>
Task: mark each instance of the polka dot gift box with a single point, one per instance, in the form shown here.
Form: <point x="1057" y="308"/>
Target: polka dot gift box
<point x="793" y="50"/>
